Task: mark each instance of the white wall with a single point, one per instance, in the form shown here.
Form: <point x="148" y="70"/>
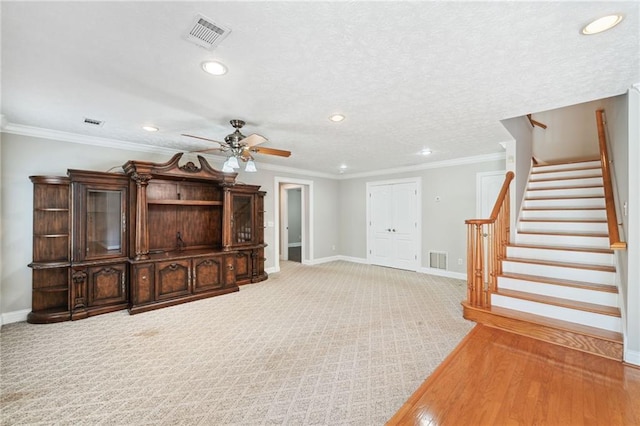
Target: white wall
<point x="443" y="227"/>
<point x="632" y="347"/>
<point x="23" y="156"/>
<point x="519" y="154"/>
<point x="571" y="133"/>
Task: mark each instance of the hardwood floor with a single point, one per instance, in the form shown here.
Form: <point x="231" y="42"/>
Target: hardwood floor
<point x="499" y="378"/>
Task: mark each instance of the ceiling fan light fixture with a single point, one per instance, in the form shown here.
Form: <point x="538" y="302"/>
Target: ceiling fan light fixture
<point x="250" y="167"/>
<point x="602" y="24"/>
<point x="226" y="168"/>
<point x="214" y="68"/>
<point x="233" y="163"/>
<point x="336" y="118"/>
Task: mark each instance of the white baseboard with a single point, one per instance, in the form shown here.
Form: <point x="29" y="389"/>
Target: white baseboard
<point x="354" y="259"/>
<point x="271" y="270"/>
<point x="443" y="273"/>
<point x="632" y="357"/>
<point x="15" y="316"/>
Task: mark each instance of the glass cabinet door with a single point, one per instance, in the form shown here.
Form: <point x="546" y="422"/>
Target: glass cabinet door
<point x="242" y="219"/>
<point x="105" y="220"/>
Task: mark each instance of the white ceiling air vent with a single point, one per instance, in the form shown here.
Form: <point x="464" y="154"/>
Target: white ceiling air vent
<point x="205" y="33"/>
<point x="93" y="122"/>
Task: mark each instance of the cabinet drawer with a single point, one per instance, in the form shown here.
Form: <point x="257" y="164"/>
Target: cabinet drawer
<point x="172" y="279"/>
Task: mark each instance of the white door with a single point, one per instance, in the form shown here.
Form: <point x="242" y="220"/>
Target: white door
<point x="393" y="224"/>
<point x="488" y="188"/>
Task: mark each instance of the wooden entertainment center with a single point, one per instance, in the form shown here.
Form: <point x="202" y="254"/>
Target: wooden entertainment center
<point x="156" y="235"/>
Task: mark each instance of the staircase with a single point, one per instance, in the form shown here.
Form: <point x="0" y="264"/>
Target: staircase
<point x="558" y="279"/>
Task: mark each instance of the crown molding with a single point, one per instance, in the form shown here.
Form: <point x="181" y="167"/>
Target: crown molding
<point x="434" y="165"/>
<point x="38" y="132"/>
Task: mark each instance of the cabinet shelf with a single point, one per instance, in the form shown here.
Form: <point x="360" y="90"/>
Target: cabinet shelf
<point x="51" y="235"/>
<point x="51" y="209"/>
<point x="185" y="202"/>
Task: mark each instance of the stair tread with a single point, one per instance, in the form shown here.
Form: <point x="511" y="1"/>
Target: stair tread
<point x="566" y="248"/>
<point x="564" y="220"/>
<point x="562" y="208"/>
<point x="599" y="333"/>
<point x="567" y="178"/>
<point x="604" y="268"/>
<point x="566" y="234"/>
<point x="561" y="188"/>
<point x="569" y="197"/>
<point x="565" y="162"/>
<point x="572" y="169"/>
<point x="565" y="303"/>
<point x="607" y="288"/>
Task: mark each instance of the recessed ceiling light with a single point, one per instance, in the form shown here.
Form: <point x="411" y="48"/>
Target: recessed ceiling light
<point x="425" y="152"/>
<point x="343" y="166"/>
<point x="602" y="24"/>
<point x="214" y="67"/>
<point x="336" y="117"/>
<point x="150" y="128"/>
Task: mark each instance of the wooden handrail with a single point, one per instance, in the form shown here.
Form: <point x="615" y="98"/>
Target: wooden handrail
<point x="612" y="220"/>
<point x="484" y="268"/>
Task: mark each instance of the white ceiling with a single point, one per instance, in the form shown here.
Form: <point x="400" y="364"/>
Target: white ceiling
<point x="407" y="75"/>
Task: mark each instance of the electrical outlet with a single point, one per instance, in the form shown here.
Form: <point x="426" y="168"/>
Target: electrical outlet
<point x="459" y="261"/>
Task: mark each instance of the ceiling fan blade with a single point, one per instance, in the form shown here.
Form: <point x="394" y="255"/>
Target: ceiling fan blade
<point x="204" y="139"/>
<point x="272" y="151"/>
<point x="254" y="139"/>
<point x="208" y="150"/>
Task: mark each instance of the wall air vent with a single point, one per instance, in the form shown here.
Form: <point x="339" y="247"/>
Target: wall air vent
<point x="93" y="122"/>
<point x="438" y="260"/>
<point x="205" y="33"/>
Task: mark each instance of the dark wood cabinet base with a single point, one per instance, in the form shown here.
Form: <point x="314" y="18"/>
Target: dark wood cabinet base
<point x="137" y="309"/>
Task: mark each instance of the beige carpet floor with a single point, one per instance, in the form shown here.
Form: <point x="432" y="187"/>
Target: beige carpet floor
<point x="334" y="344"/>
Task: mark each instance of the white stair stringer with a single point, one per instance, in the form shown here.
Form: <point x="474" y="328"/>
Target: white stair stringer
<point x="561" y="266"/>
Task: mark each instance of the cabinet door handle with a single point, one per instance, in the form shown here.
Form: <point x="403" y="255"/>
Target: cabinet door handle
<point x="230" y="267"/>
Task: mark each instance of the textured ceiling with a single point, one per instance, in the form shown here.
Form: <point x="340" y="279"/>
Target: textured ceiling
<point x="407" y="75"/>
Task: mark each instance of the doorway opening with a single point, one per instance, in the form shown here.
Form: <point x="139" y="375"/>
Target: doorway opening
<point x="294" y="220"/>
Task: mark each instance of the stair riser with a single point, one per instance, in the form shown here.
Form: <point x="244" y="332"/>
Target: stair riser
<point x="567" y="174"/>
<point x="566" y="192"/>
<point x="563" y="273"/>
<point x="565" y="166"/>
<point x="590" y="319"/>
<point x="565" y="214"/>
<point x="565" y="203"/>
<point x="568" y="256"/>
<point x="569" y="293"/>
<point x="594" y="181"/>
<point x="562" y="240"/>
<point x="594" y="227"/>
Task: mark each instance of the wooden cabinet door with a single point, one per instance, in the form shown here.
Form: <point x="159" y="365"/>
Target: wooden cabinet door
<point x="172" y="279"/>
<point x="142" y="284"/>
<point x="243" y="266"/>
<point x="106" y="284"/>
<point x="208" y="273"/>
<point x="230" y="271"/>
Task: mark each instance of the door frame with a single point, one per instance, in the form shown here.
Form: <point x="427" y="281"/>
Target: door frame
<point x="306" y="197"/>
<point x="418" y="181"/>
<point x="284" y="219"/>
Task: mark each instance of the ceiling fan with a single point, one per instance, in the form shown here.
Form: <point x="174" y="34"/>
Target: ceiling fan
<point x="238" y="146"/>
